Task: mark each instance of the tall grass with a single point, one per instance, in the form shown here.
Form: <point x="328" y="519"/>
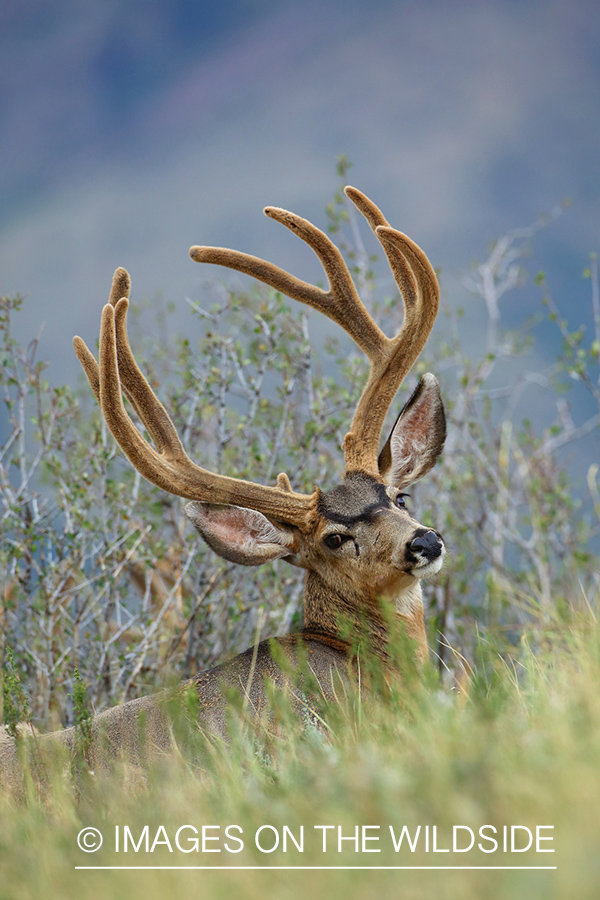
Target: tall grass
<point x="517" y="745"/>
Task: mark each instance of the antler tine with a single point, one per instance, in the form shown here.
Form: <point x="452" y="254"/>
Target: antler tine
<point x="382" y="229"/>
<point x="169" y="467"/>
<point x="141" y="396"/>
<point x="391" y="358"/>
<point x="340" y="303"/>
<point x="120" y="289"/>
<point x="121" y="286"/>
<point x="419" y="288"/>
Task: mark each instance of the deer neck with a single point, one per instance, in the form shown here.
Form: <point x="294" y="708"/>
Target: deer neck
<point x="338" y="617"/>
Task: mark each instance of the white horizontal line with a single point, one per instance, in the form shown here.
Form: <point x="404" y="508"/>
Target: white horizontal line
<point x="322" y="868"/>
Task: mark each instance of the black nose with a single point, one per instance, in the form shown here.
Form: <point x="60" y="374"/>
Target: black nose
<point x="428" y="544"/>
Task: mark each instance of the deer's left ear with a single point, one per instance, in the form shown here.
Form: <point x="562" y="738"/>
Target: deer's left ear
<point x="242" y="535"/>
<point x="417" y="438"/>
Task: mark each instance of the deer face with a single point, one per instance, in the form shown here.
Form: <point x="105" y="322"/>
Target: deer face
<point x="366" y="536"/>
<point x="364" y="540"/>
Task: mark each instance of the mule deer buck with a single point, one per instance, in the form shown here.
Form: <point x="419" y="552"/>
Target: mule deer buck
<point x="357" y="542"/>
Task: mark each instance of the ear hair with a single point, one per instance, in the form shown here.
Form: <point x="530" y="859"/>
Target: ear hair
<point x="241" y="535"/>
<point x="417" y="438"/>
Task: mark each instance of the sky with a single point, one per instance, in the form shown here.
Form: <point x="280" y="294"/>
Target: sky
<point x="130" y="131"/>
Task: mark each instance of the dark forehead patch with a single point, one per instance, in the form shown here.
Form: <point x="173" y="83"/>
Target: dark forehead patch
<point x="359" y="498"/>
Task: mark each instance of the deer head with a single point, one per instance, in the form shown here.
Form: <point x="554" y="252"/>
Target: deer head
<point x="358" y="541"/>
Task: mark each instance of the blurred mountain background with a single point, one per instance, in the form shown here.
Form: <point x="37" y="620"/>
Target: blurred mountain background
<point x="130" y="131"/>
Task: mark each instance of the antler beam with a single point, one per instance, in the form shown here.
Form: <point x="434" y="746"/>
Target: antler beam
<point x="168" y="466"/>
<point x="391" y="358"/>
<point x="420" y="293"/>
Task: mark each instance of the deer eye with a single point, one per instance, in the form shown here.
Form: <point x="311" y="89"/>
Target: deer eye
<point x="400" y="501"/>
<point x="334" y="541"/>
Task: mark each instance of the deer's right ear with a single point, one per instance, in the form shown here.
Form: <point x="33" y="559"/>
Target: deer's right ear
<point x="417" y="438"/>
<point x="241" y="535"/>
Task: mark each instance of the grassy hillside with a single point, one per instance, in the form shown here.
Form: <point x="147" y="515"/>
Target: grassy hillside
<point x="518" y="744"/>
